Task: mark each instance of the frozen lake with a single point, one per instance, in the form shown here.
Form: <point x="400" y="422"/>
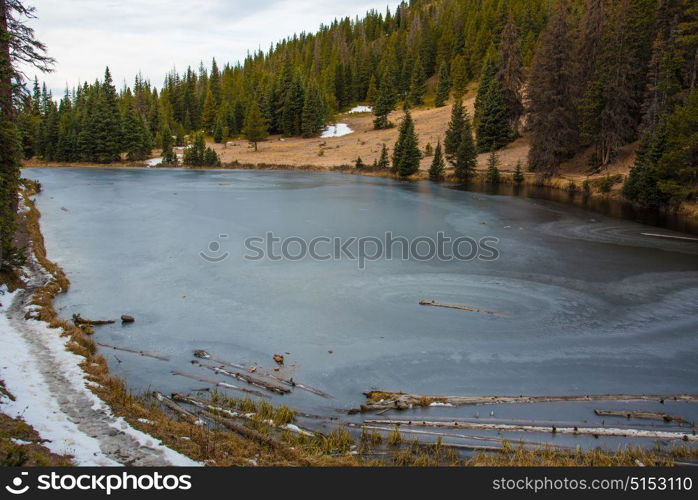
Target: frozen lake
<point x="589" y="305"/>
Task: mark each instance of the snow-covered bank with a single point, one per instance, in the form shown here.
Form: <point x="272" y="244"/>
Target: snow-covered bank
<point x="336" y="130"/>
<point x="360" y="109"/>
<point x="51" y="395"/>
<point x="154" y="162"/>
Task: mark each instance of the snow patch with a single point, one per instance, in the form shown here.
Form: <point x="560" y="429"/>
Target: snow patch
<point x="360" y="109"/>
<point x="336" y="130"/>
<point x="153" y="162"/>
<point x="38" y="402"/>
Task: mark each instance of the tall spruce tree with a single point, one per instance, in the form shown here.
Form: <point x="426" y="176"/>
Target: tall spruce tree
<point x="418" y="83"/>
<point x="438" y="167"/>
<point x="313" y="116"/>
<point x="406" y="154"/>
<point x="17" y="43"/>
<point x="384" y="159"/>
<point x="255" y="128"/>
<point x="454" y="133"/>
<point x="465" y="160"/>
<point x="552" y="114"/>
<point x="510" y="73"/>
<point x="491" y="114"/>
<point x="106" y="123"/>
<point x="444" y="86"/>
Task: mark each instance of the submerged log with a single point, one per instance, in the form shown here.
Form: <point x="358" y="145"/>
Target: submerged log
<point x="459" y="307"/>
<point x="217" y="383"/>
<point x="592" y="431"/>
<point x="200" y="353"/>
<point x="181" y="412"/>
<point x="381" y="400"/>
<point x="245" y="378"/>
<point x="207" y="406"/>
<point x="246" y="432"/>
<point x="147" y="354"/>
<point x="648" y="415"/>
<point x="125" y="318"/>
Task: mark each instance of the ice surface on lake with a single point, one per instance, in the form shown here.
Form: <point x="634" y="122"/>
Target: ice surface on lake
<point x="336" y="130"/>
<point x="587" y="307"/>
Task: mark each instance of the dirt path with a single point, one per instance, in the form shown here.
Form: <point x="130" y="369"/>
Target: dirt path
<point x="52" y="396"/>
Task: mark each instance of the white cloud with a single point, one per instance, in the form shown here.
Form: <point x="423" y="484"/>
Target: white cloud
<point x="153" y="36"/>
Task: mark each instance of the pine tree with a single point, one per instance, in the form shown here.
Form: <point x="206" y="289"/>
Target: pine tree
<point x="386" y="100"/>
<point x="208" y="117"/>
<point x="492" y="168"/>
<point x="418" y="83"/>
<point x="465" y="159"/>
<point x="444" y="86"/>
<point x="313" y="117"/>
<point x="454" y="133"/>
<point x="218" y="130"/>
<point x="136" y="138"/>
<point x="518" y="177"/>
<point x="384" y="160"/>
<point x="292" y="110"/>
<point x="255" y="128"/>
<point x="168" y="154"/>
<point x="106" y="123"/>
<point x="437" y="168"/>
<point x="510" y="73"/>
<point x="491" y="115"/>
<point x="460" y="75"/>
<point x="372" y="91"/>
<point x="552" y="116"/>
<point x="406" y="155"/>
<point x="194" y="154"/>
<point x="359" y="163"/>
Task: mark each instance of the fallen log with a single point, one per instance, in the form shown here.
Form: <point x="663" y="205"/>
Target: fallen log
<point x="79" y="320"/>
<point x="247" y="432"/>
<point x="135" y="351"/>
<point x="591" y="431"/>
<point x="459" y="307"/>
<point x="382" y="400"/>
<point x="647" y="415"/>
<point x="460" y="436"/>
<point x="205" y="405"/>
<point x="217" y="383"/>
<point x="200" y="353"/>
<point x="183" y="414"/>
<point x="245" y="378"/>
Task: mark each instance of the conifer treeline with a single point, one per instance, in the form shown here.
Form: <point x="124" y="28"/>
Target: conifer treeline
<point x="576" y="74"/>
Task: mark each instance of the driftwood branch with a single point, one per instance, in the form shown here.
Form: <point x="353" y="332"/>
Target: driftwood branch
<point x="181" y="412"/>
<point x="200" y="353"/>
<point x="147" y="354"/>
<point x="245" y="378"/>
<point x="459" y="307"/>
<point x="217" y="383"/>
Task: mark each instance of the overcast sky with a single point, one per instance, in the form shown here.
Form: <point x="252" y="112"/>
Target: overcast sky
<point x="154" y="35"/>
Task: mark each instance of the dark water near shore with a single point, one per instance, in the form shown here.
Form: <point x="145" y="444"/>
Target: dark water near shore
<point x="591" y="305"/>
<point x="622" y="209"/>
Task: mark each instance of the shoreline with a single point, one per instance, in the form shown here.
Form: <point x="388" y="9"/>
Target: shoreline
<point x="570" y="185"/>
